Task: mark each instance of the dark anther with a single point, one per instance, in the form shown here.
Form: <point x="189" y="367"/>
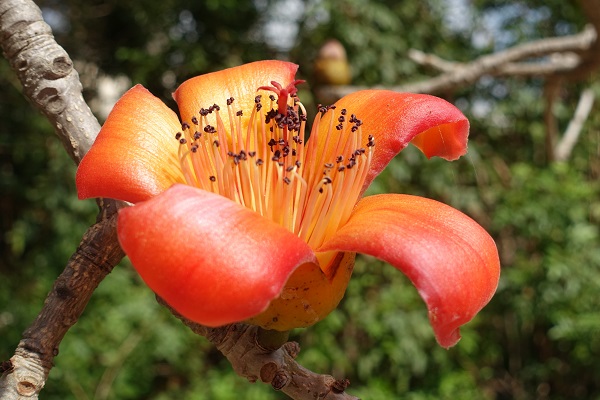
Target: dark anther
<point x="215" y="107"/>
<point x="194" y="148"/>
<point x="178" y="135"/>
<point x="343" y="111"/>
<point x="258" y="106"/>
<point x="274" y="158"/>
<point x="339" y="127"/>
<point x="290" y="168"/>
<point x="182" y="141"/>
<point x="329" y="165"/>
<point x="194" y="120"/>
<point x="251" y="153"/>
<point x="332" y="107"/>
<point x="212" y="178"/>
<point x="341" y="168"/>
<point x="320" y="190"/>
<point x="287" y="180"/>
<point x="272" y="97"/>
<point x="272" y="143"/>
<point x="204" y="112"/>
<point x="259" y="162"/>
<point x="294" y="152"/>
<point x="230" y="101"/>
<point x="327" y="180"/>
<point x="298" y="164"/>
<point x="216" y="143"/>
<point x="277" y="153"/>
<point x="371" y="142"/>
<point x="209" y="129"/>
<point x="185" y="126"/>
<point x="354" y="128"/>
<point x="341" y="118"/>
<point x="197" y="135"/>
<point x="239" y="113"/>
<point x="339" y="159"/>
<point x="257" y="99"/>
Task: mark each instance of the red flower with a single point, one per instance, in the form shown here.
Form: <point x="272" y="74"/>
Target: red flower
<point x="238" y="218"/>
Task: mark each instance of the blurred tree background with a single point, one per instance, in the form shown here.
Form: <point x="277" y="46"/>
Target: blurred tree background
<point x="538" y="338"/>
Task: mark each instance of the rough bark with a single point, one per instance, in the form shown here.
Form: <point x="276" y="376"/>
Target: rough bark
<point x="95" y="258"/>
<point x="46" y="72"/>
<point x="254" y="360"/>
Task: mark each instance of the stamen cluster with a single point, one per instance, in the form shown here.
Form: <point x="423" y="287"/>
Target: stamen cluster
<point x="308" y="187"/>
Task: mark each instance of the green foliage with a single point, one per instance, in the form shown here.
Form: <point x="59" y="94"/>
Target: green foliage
<point x="536" y="339"/>
<point x="376" y="34"/>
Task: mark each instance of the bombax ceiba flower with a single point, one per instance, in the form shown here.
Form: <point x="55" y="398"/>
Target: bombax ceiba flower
<point x="241" y="214"/>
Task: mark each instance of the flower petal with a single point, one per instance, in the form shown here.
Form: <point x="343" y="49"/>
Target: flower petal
<point x="395" y="119"/>
<point x="134" y="156"/>
<point x="451" y="260"/>
<point x="239" y="82"/>
<point x="212" y="260"/>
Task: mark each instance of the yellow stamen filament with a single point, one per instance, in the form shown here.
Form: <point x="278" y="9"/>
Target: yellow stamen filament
<point x="310" y="187"/>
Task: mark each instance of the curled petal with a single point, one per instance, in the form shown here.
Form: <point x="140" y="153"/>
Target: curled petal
<point x="452" y="261"/>
<point x="212" y="260"/>
<point x="395" y="119"/>
<point x="240" y="82"/>
<point x="134" y="156"/>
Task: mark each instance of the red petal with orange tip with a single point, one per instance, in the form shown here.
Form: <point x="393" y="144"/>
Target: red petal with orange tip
<point x="452" y="261"/>
<point x="134" y="156"/>
<point x="395" y="119"/>
<point x="212" y="260"/>
<point x="240" y="82"/>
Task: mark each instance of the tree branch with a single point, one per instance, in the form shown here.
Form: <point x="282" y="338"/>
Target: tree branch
<point x="564" y="148"/>
<point x="241" y="344"/>
<point x="47" y="75"/>
<point x="559" y="55"/>
<point x="94" y="259"/>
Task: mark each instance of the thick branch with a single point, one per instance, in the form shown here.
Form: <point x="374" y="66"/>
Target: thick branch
<point x="241" y="345"/>
<point x="97" y="254"/>
<point x="47" y="75"/>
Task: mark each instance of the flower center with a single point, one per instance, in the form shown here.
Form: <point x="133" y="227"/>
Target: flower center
<point x="310" y="187"/>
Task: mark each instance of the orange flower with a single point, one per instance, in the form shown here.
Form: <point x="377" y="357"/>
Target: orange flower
<point x="238" y="217"/>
